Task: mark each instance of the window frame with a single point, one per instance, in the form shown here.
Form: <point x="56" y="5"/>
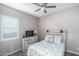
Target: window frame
<point x="1" y="30"/>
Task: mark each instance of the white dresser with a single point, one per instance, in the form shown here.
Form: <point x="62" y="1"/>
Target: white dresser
<point x="26" y="42"/>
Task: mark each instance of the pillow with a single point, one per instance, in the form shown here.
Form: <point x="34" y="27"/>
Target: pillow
<point x="58" y="39"/>
<point x="49" y="38"/>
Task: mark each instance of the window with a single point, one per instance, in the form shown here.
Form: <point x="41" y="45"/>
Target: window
<point x="9" y="27"/>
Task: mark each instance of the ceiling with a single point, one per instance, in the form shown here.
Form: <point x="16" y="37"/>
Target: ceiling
<point x="30" y="8"/>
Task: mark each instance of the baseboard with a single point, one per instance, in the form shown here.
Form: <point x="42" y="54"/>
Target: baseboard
<point x="21" y="49"/>
<point x="12" y="52"/>
<point x="72" y="52"/>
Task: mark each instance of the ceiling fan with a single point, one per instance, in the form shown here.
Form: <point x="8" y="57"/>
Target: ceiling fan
<point x="43" y="7"/>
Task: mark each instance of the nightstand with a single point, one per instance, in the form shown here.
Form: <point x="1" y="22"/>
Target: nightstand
<point x="26" y="42"/>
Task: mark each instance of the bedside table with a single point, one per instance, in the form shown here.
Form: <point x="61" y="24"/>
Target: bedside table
<point x="26" y="42"/>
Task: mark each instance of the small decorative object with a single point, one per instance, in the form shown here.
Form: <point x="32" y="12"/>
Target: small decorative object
<point x="47" y="31"/>
<point x="61" y="31"/>
<point x="35" y="32"/>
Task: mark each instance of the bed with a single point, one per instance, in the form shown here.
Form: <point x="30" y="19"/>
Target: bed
<point x="52" y="45"/>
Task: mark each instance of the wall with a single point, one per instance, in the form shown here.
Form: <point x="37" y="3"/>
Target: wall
<point x="67" y="20"/>
<point x="26" y="22"/>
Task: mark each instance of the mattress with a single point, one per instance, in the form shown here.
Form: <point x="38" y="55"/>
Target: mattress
<point x="44" y="48"/>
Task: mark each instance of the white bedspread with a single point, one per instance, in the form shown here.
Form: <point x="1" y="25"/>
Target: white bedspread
<point x="44" y="48"/>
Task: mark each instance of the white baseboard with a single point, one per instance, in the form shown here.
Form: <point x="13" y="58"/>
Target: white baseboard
<point x="72" y="52"/>
<point x="21" y="49"/>
<point x="12" y="52"/>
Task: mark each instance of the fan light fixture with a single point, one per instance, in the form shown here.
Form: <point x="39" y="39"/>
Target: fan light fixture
<point x="43" y="7"/>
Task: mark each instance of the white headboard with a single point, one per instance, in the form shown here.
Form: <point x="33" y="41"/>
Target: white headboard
<point x="58" y="33"/>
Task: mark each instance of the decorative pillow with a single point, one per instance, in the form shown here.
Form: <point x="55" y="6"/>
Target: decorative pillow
<point x="49" y="38"/>
<point x="58" y="39"/>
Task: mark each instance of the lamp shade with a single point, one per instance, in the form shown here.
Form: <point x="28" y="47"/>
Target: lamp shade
<point x="35" y="31"/>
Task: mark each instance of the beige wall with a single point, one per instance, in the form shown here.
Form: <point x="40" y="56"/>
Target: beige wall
<point x="26" y="22"/>
<point x="67" y="20"/>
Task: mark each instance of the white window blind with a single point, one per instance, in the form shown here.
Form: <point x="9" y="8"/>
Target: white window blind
<point x="9" y="27"/>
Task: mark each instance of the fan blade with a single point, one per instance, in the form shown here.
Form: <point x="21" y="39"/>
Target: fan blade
<point x="50" y="6"/>
<point x="37" y="4"/>
<point x="37" y="9"/>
